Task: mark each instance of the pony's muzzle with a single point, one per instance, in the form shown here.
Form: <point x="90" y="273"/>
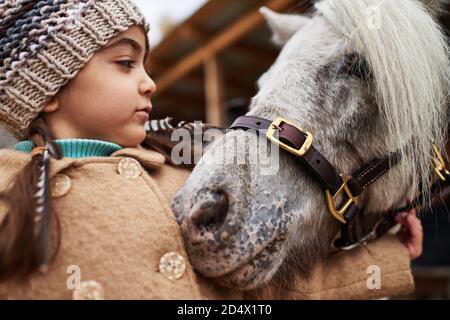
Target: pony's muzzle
<point x="206" y="217"/>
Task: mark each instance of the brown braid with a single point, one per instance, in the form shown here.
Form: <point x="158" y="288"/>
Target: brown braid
<point x="21" y="251"/>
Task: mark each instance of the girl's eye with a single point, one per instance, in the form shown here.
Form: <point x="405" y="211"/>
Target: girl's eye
<point x="127" y="63"/>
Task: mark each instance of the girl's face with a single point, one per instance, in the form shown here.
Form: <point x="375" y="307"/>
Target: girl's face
<point x="109" y="99"/>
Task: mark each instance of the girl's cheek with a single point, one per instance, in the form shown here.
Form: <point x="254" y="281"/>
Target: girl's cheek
<point x="123" y="84"/>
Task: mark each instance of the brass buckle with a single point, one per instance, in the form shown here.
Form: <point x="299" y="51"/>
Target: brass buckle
<point x="439" y="164"/>
<point x="275" y="125"/>
<point x="339" y="213"/>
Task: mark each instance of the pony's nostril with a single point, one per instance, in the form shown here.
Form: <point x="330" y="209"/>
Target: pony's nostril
<point x="212" y="213"/>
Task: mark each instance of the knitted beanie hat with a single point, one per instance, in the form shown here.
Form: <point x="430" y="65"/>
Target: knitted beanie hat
<point x="45" y="43"/>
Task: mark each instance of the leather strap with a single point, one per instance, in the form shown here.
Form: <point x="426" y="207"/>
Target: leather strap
<point x="359" y="228"/>
<point x="326" y="174"/>
<point x="317" y="164"/>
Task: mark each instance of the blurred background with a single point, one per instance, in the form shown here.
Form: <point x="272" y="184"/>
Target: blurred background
<point x="207" y="55"/>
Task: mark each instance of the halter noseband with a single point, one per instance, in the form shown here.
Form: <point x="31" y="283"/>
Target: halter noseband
<point x="299" y="143"/>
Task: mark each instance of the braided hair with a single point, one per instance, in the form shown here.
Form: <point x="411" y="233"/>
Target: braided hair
<point x="25" y="231"/>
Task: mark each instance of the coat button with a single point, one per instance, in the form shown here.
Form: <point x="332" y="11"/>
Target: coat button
<point x="129" y="168"/>
<point x="172" y="266"/>
<point x="60" y="185"/>
<point x="89" y="290"/>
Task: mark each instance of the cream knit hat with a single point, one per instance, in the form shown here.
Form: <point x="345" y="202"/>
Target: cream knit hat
<point x="44" y="44"/>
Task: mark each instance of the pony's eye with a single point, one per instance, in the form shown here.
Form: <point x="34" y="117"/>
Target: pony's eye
<point x="356" y="65"/>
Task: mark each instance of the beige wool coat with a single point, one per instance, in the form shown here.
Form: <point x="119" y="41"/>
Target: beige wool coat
<point x="119" y="239"/>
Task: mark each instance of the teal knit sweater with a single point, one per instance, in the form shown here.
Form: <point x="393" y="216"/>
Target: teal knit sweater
<point x="77" y="148"/>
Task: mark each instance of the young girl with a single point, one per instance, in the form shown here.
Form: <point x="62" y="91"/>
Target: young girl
<point x="84" y="210"/>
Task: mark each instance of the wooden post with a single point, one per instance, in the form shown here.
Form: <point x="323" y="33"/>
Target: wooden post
<point x="231" y="35"/>
<point x="215" y="107"/>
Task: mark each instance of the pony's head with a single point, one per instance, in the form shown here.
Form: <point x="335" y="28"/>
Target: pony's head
<point x="367" y="78"/>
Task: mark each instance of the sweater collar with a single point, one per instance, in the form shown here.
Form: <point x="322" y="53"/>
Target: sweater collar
<point x="77" y="148"/>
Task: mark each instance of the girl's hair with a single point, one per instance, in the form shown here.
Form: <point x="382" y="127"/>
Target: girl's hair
<point x="22" y="249"/>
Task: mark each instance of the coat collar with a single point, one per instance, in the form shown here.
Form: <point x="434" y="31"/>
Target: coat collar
<point x="149" y="159"/>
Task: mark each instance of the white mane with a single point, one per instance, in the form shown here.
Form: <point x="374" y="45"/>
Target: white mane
<point x="409" y="57"/>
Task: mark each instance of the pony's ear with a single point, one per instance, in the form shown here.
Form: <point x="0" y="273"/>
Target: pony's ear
<point x="283" y="26"/>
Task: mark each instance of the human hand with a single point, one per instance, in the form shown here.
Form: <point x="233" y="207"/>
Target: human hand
<point x="411" y="233"/>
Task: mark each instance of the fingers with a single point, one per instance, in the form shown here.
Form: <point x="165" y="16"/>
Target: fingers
<point x="411" y="234"/>
<point x="415" y="242"/>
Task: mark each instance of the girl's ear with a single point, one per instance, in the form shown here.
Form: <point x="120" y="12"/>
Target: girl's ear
<point x="283" y="26"/>
<point x="52" y="105"/>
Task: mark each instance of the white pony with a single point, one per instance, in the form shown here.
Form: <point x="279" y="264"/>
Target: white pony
<point x="367" y="78"/>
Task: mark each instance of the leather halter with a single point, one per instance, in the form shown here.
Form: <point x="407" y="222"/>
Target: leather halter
<point x="337" y="186"/>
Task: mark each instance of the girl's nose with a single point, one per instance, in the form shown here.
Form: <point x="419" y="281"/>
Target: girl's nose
<point x="147" y="86"/>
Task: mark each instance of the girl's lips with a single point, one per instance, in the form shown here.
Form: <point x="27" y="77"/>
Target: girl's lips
<point x="148" y="108"/>
<point x="143" y="114"/>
